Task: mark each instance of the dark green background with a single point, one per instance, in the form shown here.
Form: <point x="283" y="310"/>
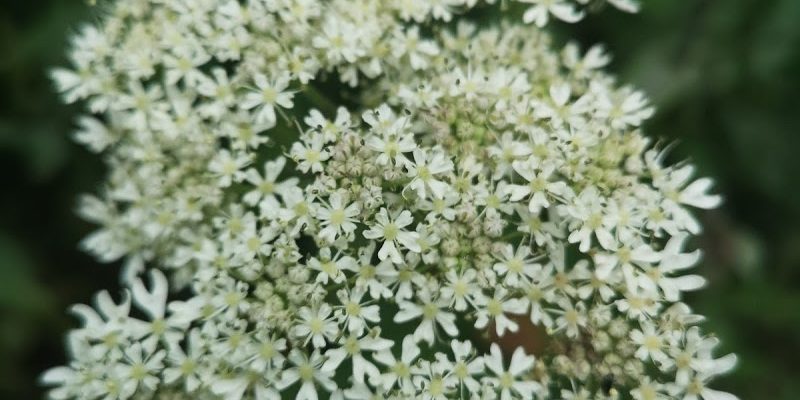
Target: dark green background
<point x="724" y="74"/>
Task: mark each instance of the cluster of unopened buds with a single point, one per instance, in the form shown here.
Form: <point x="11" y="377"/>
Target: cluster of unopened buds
<point x="363" y="199"/>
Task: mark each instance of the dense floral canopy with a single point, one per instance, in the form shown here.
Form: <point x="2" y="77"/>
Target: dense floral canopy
<point x="379" y="240"/>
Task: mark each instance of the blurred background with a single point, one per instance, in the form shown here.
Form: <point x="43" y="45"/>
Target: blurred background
<point x="724" y="74"/>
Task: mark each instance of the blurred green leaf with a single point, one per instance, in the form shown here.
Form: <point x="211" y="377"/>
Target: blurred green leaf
<point x="19" y="289"/>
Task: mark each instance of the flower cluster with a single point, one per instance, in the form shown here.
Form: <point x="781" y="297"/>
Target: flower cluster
<point x="287" y="237"/>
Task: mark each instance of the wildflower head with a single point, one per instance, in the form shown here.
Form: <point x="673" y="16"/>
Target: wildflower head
<point x="363" y="242"/>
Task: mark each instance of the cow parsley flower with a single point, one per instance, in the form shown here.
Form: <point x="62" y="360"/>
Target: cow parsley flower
<point x="266" y="96"/>
<point x="356" y="199"/>
<point x="390" y="230"/>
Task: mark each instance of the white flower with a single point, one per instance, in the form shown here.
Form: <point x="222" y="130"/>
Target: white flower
<point x="469" y="84"/>
<point x="558" y="108"/>
<point x="423" y="173"/>
<point x="219" y="89"/>
<point x="267" y="187"/>
<point x="495" y="308"/>
<point x="626" y="258"/>
<point x="271" y="351"/>
<point x="385" y="122"/>
<point x="330" y="130"/>
<point x="184" y="64"/>
<point x="537" y="294"/>
<point x="539" y="187"/>
<point x="316" y="326"/>
<point x="141" y="365"/>
<point x="583" y="65"/>
<point x="650" y="342"/>
<point x="571" y="318"/>
<point x="696" y="389"/>
<point x="186" y="365"/>
<point x="268" y="94"/>
<point x="228" y="167"/>
<point x="371" y="276"/>
<point x="588" y="213"/>
<point x="352" y="348"/>
<point x="309" y="371"/>
<point x="506" y="151"/>
<point x="73" y="85"/>
<point x="430" y="381"/>
<point x="355" y="313"/>
<point x="392" y="233"/>
<point x="297" y="208"/>
<point x="408" y="42"/>
<point x="432" y="311"/>
<point x="310" y="154"/>
<point x="516" y="266"/>
<point x="94" y="135"/>
<point x="391" y="148"/>
<point x="638" y="304"/>
<point x="465" y="366"/>
<point x="672" y="260"/>
<point x="398" y="371"/>
<point x="695" y="194"/>
<point x="460" y="288"/>
<point x="510" y="381"/>
<point x="338" y="217"/>
<point x="649" y="390"/>
<point x="623" y="108"/>
<point x="331" y="267"/>
<point x="540" y="10"/>
<point x="154" y="302"/>
<point x="693" y="355"/>
<point x="339" y="41"/>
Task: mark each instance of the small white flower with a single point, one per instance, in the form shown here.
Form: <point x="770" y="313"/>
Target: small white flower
<point x="651" y="343"/>
<point x="495" y="308"/>
<point x="423" y="173"/>
<point x="432" y="311"/>
<point x="141" y="365"/>
<point x="540" y="188"/>
<point x="465" y="366"/>
<point x="460" y="288"/>
<point x="268" y="94"/>
<point x="696" y="389"/>
<point x="338" y="218"/>
<point x="571" y="318"/>
<point x="589" y="217"/>
<point x="338" y="40"/>
<point x="408" y="42"/>
<point x="267" y="187"/>
<point x="398" y="371"/>
<point x="184" y="64"/>
<point x="310" y="372"/>
<point x="355" y="313"/>
<point x="330" y="130"/>
<point x="511" y="381"/>
<point x="392" y="233"/>
<point x="331" y="267"/>
<point x="561" y="9"/>
<point x="228" y="167"/>
<point x="352" y="348"/>
<point x="316" y="326"/>
<point x="516" y="266"/>
<point x="186" y="365"/>
<point x="391" y="148"/>
<point x="310" y="154"/>
<point x="649" y="390"/>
